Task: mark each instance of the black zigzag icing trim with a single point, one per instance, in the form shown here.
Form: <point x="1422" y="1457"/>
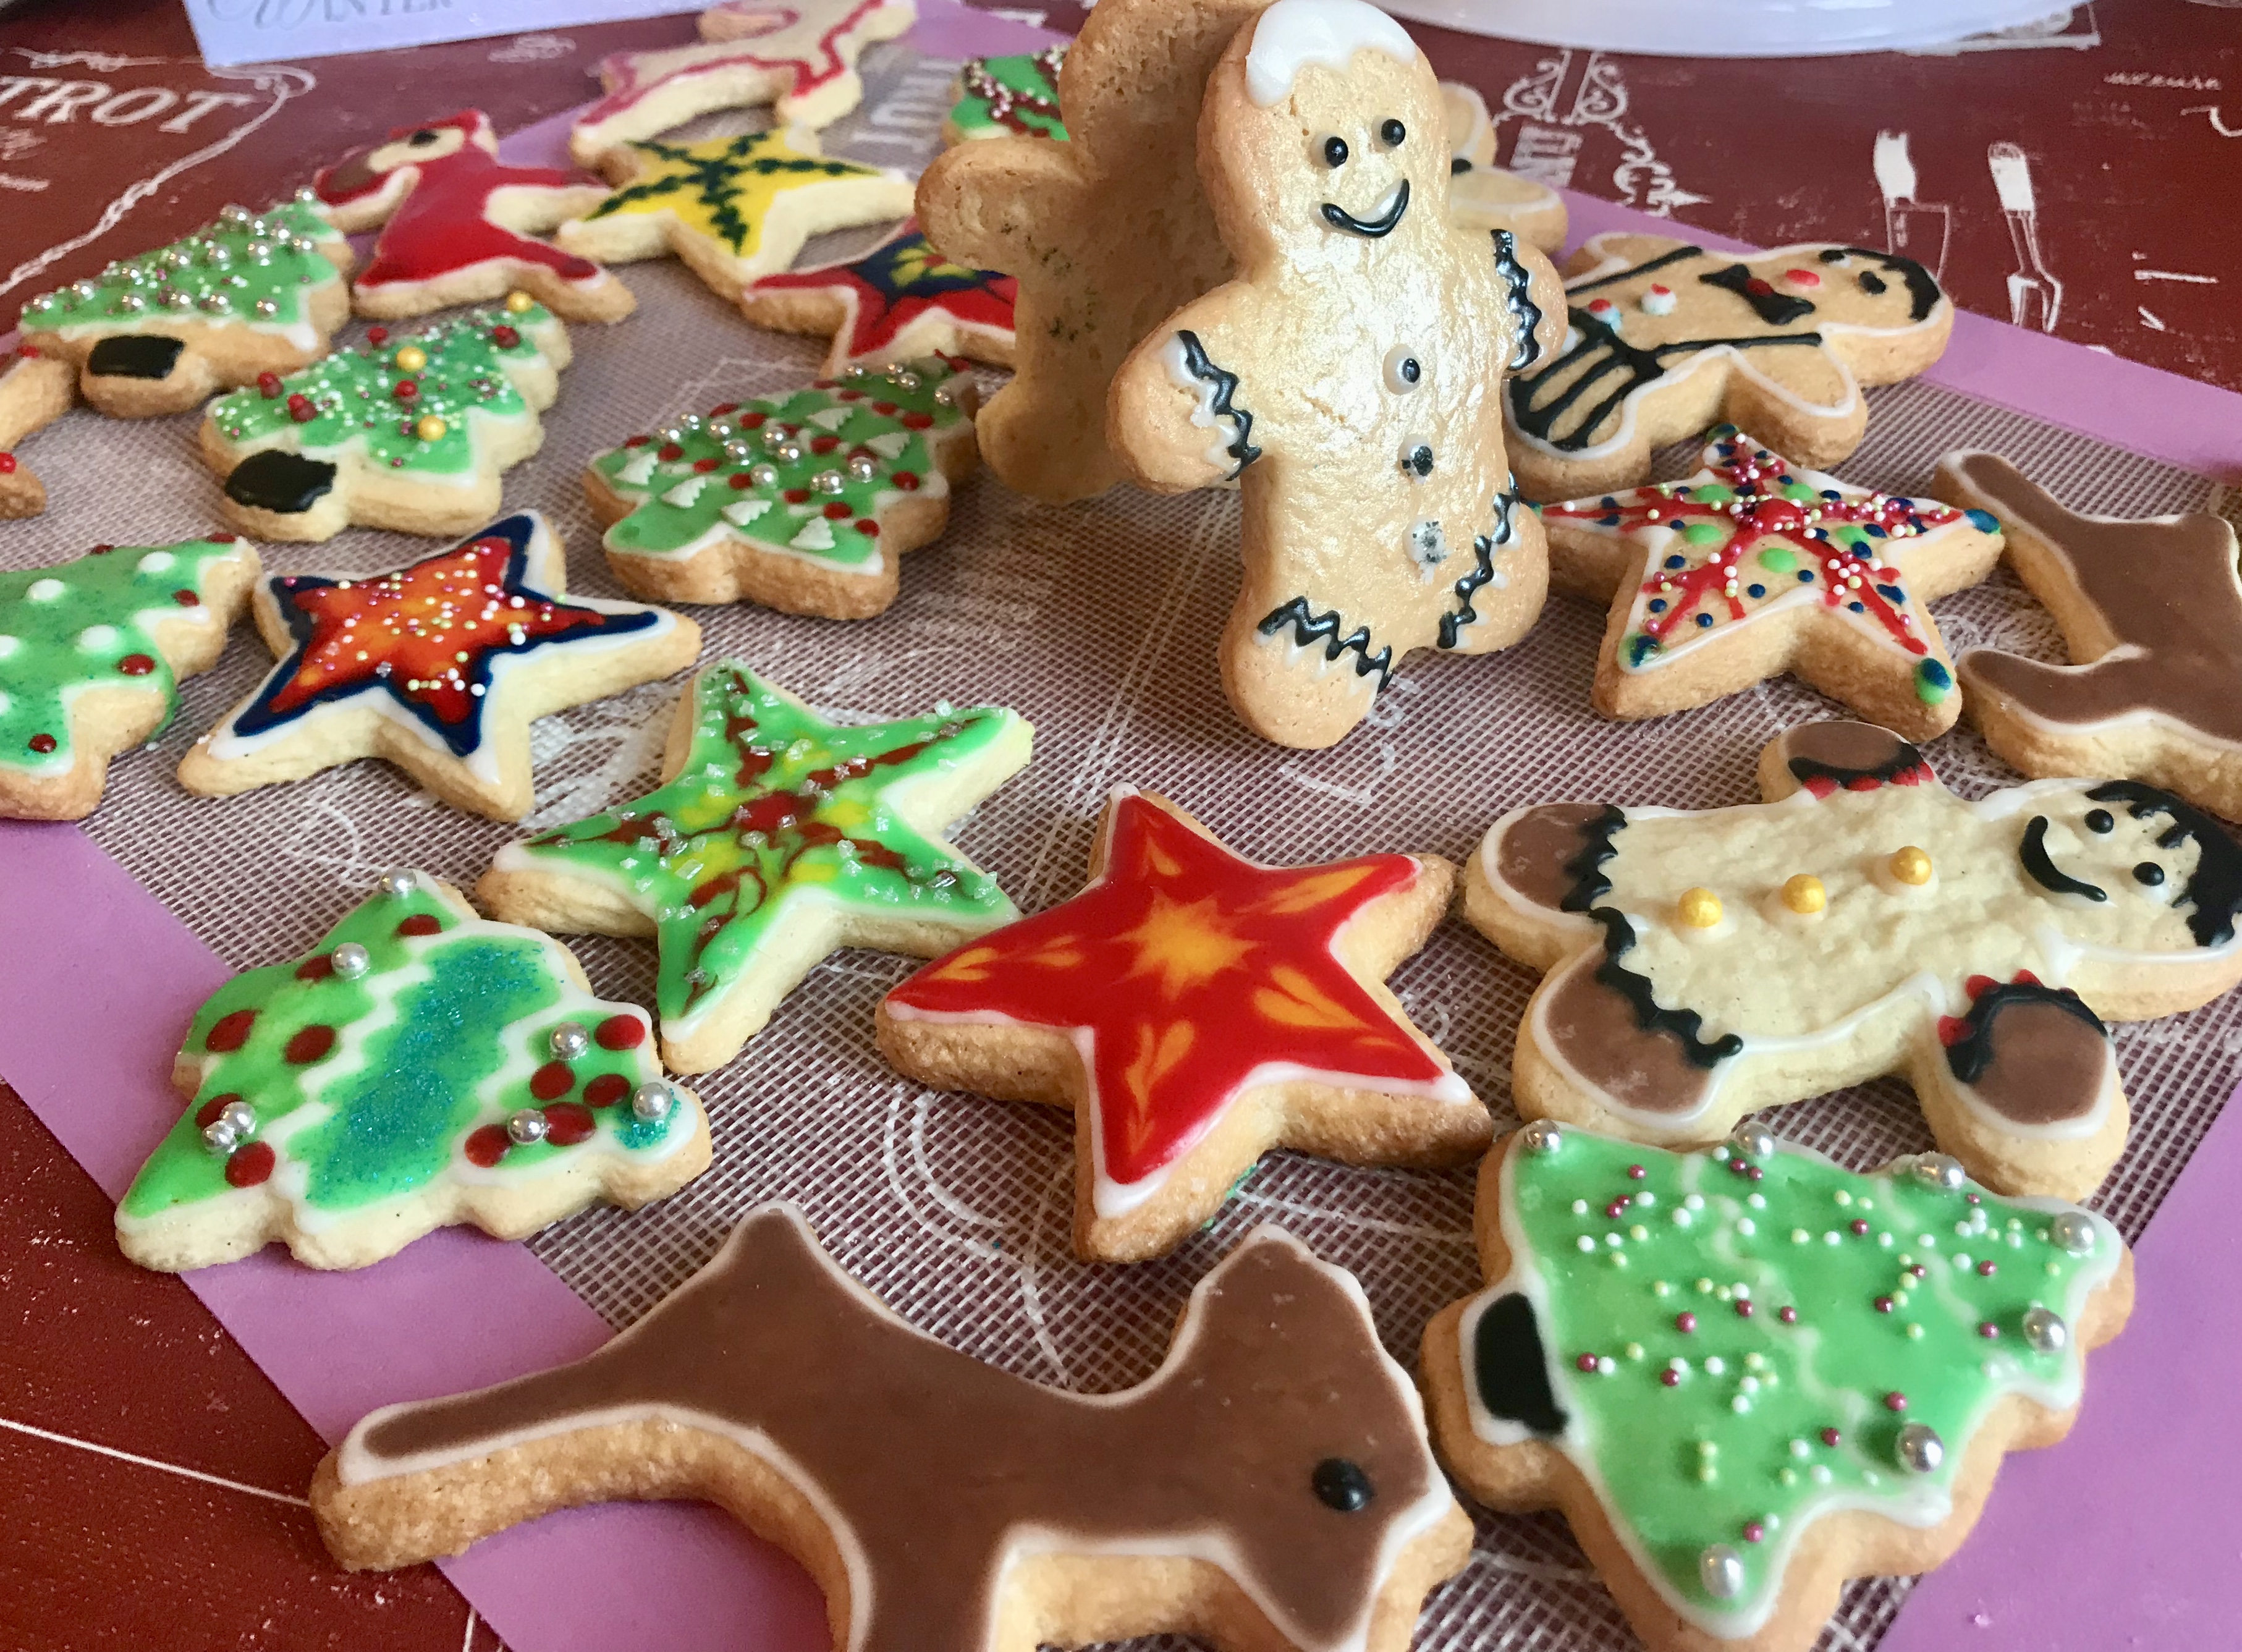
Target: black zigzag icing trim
<point x="1201" y="367"/>
<point x="1523" y="310"/>
<point x="1483" y="548"/>
<point x="1309" y="628"/>
<point x="1589" y="883"/>
<point x="1684" y="1024"/>
<point x="1971" y="1052"/>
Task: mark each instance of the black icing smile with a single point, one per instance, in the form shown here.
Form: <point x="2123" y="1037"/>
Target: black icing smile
<point x="2042" y="869"/>
<point x="1339" y="218"/>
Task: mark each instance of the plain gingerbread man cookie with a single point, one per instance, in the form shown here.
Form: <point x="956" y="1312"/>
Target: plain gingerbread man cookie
<point x="1268" y="1488"/>
<point x="34" y="391"/>
<point x="1347" y="378"/>
<point x="1862" y="921"/>
<point x="1667" y="337"/>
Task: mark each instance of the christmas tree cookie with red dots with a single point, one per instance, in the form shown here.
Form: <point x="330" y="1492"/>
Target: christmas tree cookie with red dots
<point x="1012" y="95"/>
<point x="800" y="57"/>
<point x="1197" y="1008"/>
<point x="420" y="1067"/>
<point x="1863" y="920"/>
<point x="804" y="502"/>
<point x="34" y="391"/>
<point x="91" y="655"/>
<point x="1756" y="566"/>
<point x="409" y="433"/>
<point x="901" y="299"/>
<point x="459" y="226"/>
<point x="775" y="838"/>
<point x="439" y="667"/>
<point x="1748" y="1374"/>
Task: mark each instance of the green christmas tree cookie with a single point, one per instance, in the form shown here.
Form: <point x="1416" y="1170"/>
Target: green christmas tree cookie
<point x="802" y="503"/>
<point x="1700" y="1356"/>
<point x="252" y="293"/>
<point x="1008" y="97"/>
<point x="91" y="653"/>
<point x="775" y="838"/>
<point x="421" y="1067"/>
<point x="409" y="432"/>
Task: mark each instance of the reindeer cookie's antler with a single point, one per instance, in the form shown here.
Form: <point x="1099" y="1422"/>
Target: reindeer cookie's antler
<point x="933" y="1497"/>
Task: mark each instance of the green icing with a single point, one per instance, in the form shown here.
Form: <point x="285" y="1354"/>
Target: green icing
<point x="256" y="269"/>
<point x="1736" y="1440"/>
<point x="352" y="399"/>
<point x="86" y="624"/>
<point x="729" y="476"/>
<point x="1778" y="558"/>
<point x="1016" y="94"/>
<point x="434" y="1047"/>
<point x="775" y="806"/>
<point x="1703" y="532"/>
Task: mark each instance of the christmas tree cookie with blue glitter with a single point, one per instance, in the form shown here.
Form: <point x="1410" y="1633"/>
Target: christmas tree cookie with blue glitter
<point x="1755" y="565"/>
<point x="420" y="1067"/>
<point x="1746" y="1374"/>
<point x="407" y="432"/>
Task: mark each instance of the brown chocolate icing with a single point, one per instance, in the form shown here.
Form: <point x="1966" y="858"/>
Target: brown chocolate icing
<point x="1597" y="1031"/>
<point x="2168" y="588"/>
<point x="1840" y="750"/>
<point x="1265" y="1426"/>
<point x="2047" y="1065"/>
<point x="1536" y="853"/>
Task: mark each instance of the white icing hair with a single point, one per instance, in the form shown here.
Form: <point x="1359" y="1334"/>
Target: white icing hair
<point x="1292" y="34"/>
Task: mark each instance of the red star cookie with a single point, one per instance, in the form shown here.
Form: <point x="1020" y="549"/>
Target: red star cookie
<point x="901" y="299"/>
<point x="1197" y="1008"/>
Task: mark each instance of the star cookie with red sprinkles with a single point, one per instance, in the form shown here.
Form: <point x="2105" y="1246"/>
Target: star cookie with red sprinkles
<point x="439" y="667"/>
<point x="1755" y="566"/>
<point x="901" y="299"/>
<point x="1197" y="1008"/>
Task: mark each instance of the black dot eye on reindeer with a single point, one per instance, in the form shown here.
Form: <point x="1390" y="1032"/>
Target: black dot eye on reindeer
<point x="1392" y="132"/>
<point x="1342" y="1484"/>
<point x="1334" y="152"/>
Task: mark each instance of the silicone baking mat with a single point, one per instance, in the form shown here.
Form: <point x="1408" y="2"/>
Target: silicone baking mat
<point x="1097" y="623"/>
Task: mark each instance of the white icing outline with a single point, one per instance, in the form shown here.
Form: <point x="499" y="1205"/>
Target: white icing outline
<point x="1292" y="34"/>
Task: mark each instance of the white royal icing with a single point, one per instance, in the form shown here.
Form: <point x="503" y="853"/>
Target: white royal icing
<point x="1294" y="33"/>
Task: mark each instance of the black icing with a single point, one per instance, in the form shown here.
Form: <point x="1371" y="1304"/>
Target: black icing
<point x="1776" y="309"/>
<point x="1341" y="1483"/>
<point x="1201" y="367"/>
<point x="1971" y="1054"/>
<point x="2215" y="891"/>
<point x="1904" y="759"/>
<point x="280" y="481"/>
<point x="1589" y="883"/>
<point x="1310" y="627"/>
<point x="1511" y="1369"/>
<point x="1923" y="293"/>
<point x="1523" y="310"/>
<point x="1482" y="570"/>
<point x="2040" y="866"/>
<point x="135" y="355"/>
<point x="1370" y="229"/>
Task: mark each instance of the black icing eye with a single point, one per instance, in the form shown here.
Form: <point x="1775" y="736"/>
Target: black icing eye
<point x="1391" y="134"/>
<point x="1834" y="255"/>
<point x="1458" y="166"/>
<point x="1403" y="371"/>
<point x="1342" y="1484"/>
<point x="2099" y="821"/>
<point x="422" y="138"/>
<point x="1871" y="282"/>
<point x="1417" y="460"/>
<point x="1334" y="152"/>
<point x="2150" y="873"/>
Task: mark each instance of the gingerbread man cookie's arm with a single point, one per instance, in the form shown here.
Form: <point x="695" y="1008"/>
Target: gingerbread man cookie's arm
<point x="1181" y="413"/>
<point x="35" y="390"/>
<point x="1535" y="295"/>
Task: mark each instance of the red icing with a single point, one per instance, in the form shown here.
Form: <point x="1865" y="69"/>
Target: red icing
<point x="248" y="1165"/>
<point x="723" y="407"/>
<point x="206" y="1115"/>
<point x="406" y="389"/>
<point x="377" y="336"/>
<point x="620" y="72"/>
<point x="7" y="464"/>
<point x="505" y="337"/>
<point x="867" y="527"/>
<point x="620" y="1032"/>
<point x="268" y="386"/>
<point x="838" y="511"/>
<point x="318" y="967"/>
<point x="824" y="443"/>
<point x="420" y="923"/>
<point x="740" y="479"/>
<point x="444" y="223"/>
<point x="906" y="479"/>
<point x="42" y="743"/>
<point x="186" y="599"/>
<point x="313" y="1043"/>
<point x="1191" y="969"/>
<point x="136" y="665"/>
<point x="1802" y="277"/>
<point x="230" y="1032"/>
<point x="486" y="1145"/>
<point x="566" y="1124"/>
<point x="552" y="1081"/>
<point x="607" y="1090"/>
<point x="301" y="410"/>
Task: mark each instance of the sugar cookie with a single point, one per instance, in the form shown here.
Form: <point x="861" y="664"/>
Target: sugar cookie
<point x="1667" y="337"/>
<point x="1862" y="921"/>
<point x="1347" y="376"/>
<point x="775" y="838"/>
<point x="1747" y="1375"/>
<point x="1268" y="1487"/>
<point x="34" y="391"/>
<point x="459" y="226"/>
<point x="420" y="1067"/>
<point x="1481" y="196"/>
<point x="1196" y="1009"/>
<point x="901" y="299"/>
<point x="91" y="653"/>
<point x="409" y="433"/>
<point x="439" y="667"/>
<point x="1755" y="565"/>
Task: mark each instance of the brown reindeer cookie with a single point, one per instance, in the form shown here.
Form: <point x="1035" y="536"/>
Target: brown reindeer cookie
<point x="2151" y="611"/>
<point x="1863" y="920"/>
<point x="1667" y="337"/>
<point x="1269" y="1488"/>
<point x="1347" y="376"/>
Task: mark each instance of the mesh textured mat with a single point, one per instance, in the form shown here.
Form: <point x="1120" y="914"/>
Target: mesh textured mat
<point x="1097" y="623"/>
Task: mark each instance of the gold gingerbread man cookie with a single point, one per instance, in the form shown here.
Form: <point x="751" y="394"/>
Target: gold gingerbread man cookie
<point x="1348" y="378"/>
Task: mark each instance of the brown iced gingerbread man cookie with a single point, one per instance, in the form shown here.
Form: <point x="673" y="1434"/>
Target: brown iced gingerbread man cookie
<point x="2151" y="610"/>
<point x="1347" y="378"/>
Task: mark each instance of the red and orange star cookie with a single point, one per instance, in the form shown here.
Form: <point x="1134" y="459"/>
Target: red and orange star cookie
<point x="901" y="299"/>
<point x="1197" y="1008"/>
